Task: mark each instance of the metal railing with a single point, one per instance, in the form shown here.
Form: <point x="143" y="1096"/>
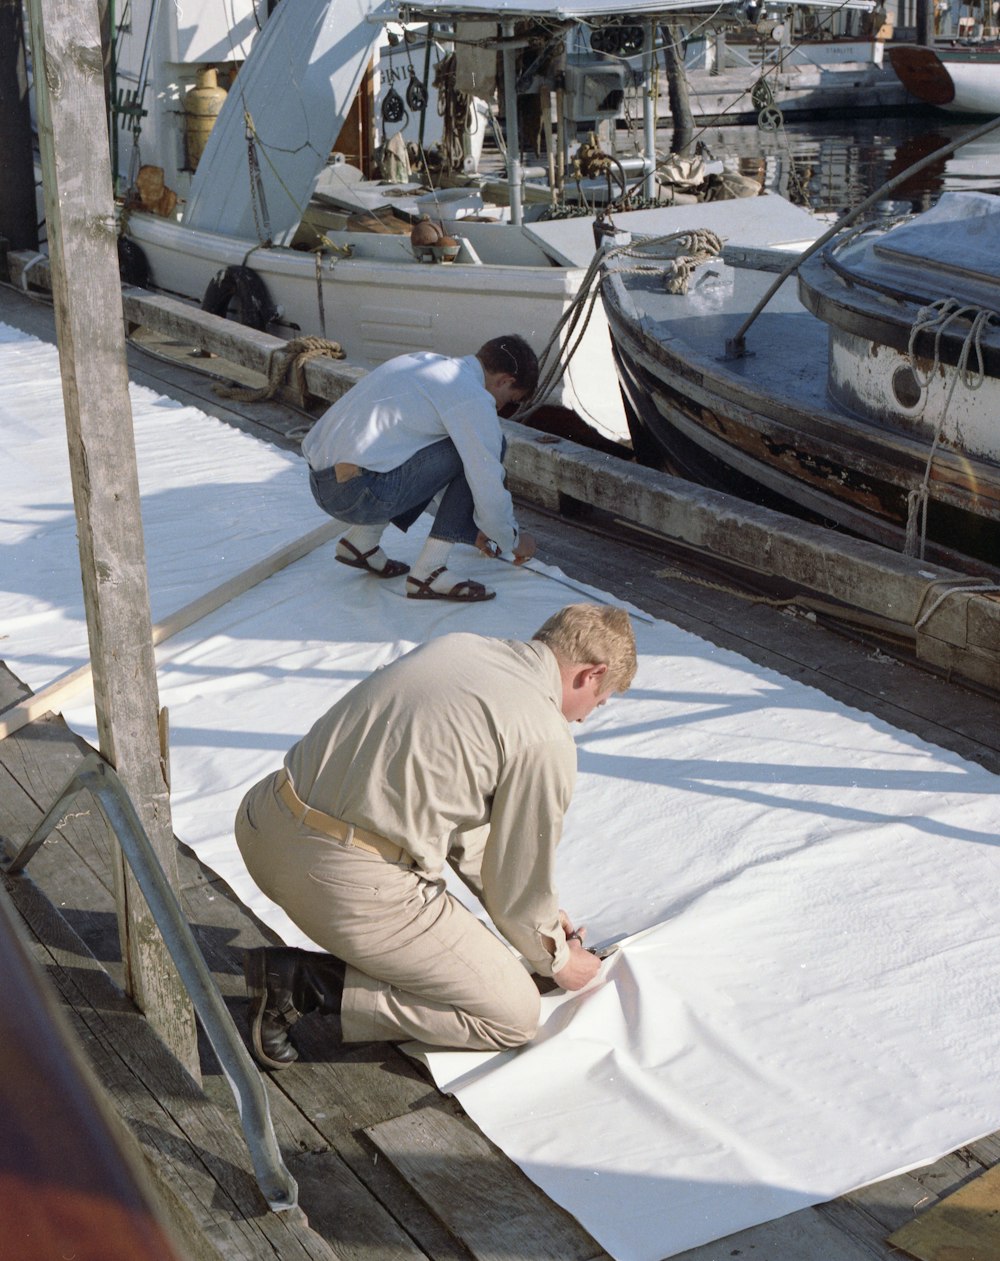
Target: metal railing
<point x="99" y="778"/>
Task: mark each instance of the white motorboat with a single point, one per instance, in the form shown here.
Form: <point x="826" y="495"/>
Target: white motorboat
<point x="325" y="247"/>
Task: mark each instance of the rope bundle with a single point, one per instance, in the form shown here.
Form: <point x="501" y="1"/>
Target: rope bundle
<point x="290" y="358"/>
<point x="680" y="251"/>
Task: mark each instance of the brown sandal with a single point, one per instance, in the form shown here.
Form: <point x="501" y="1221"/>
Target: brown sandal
<point x="393" y="568"/>
<point x="468" y="591"/>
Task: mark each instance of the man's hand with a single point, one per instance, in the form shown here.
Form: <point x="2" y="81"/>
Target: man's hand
<point x="487" y="546"/>
<point x="524" y="548"/>
<point x="581" y="968"/>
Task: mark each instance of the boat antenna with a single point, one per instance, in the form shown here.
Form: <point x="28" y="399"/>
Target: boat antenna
<point x="736" y="345"/>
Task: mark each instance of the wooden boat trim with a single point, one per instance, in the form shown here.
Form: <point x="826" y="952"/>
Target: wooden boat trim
<point x="867" y="314"/>
<point x="873" y="451"/>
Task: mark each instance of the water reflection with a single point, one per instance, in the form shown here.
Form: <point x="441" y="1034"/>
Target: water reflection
<point x="831" y="166"/>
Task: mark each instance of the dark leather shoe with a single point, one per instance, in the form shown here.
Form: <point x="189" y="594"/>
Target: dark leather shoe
<point x="270" y="975"/>
<point x="283" y="984"/>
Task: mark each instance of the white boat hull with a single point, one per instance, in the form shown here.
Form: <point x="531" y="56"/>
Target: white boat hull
<point x="387" y="303"/>
<point x="963" y="79"/>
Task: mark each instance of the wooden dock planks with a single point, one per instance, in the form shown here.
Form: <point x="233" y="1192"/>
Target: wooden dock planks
<point x="477" y="1192"/>
<point x="965" y="1226"/>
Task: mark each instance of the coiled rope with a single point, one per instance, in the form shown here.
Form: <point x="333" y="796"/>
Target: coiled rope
<point x="936" y="318"/>
<point x="285" y="360"/>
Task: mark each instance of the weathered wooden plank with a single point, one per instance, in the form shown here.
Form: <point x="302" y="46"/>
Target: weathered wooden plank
<point x="894" y="1201"/>
<point x="852" y="571"/>
<point x="340" y="1207"/>
<point x="965" y="1226"/>
<point x="326" y="378"/>
<point x="480" y="1195"/>
<point x="61" y="690"/>
<point x="80" y="216"/>
<point x="803" y="1236"/>
<point x="11" y="688"/>
<point x="345" y="1089"/>
<point x="195" y="1149"/>
<point x="40" y="760"/>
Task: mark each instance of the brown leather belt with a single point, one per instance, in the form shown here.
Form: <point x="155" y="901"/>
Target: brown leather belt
<point x="346" y="472"/>
<point x="337" y="829"/>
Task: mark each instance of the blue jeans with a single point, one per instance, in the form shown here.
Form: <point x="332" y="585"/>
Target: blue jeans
<point x="402" y="494"/>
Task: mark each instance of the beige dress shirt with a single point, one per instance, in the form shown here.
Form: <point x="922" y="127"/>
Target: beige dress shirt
<point x="459" y="753"/>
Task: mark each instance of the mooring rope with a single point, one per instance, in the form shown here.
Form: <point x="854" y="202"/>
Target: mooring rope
<point x="937" y="317"/>
<point x="290" y="358"/>
<point x="682" y="253"/>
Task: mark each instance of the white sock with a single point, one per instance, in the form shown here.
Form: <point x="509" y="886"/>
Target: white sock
<point x="364" y="538"/>
<point x="433" y="555"/>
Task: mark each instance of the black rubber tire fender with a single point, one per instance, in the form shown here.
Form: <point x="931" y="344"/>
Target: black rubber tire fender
<point x="242" y="290"/>
<point x="133" y="265"/>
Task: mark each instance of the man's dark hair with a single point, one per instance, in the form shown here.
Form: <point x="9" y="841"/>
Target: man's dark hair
<point x="511" y="354"/>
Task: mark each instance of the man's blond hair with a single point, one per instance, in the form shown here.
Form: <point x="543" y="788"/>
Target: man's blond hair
<point x="593" y="634"/>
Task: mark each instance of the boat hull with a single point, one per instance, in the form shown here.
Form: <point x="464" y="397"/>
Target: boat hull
<point x="779" y="440"/>
<point x="384" y="303"/>
<point x="964" y="79"/>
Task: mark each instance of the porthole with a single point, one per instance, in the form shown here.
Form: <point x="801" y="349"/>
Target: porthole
<point x="905" y="387"/>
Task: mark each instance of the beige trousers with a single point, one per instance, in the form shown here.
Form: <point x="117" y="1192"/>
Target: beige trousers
<point x="419" y="964"/>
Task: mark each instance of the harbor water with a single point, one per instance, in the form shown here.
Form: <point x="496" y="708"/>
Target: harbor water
<point x="831" y="166"/>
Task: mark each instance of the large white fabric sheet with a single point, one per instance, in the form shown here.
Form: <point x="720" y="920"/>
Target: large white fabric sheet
<point x="808" y="994"/>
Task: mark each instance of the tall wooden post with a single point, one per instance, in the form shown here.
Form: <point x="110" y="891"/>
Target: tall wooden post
<point x="18" y="212"/>
<point x="79" y="208"/>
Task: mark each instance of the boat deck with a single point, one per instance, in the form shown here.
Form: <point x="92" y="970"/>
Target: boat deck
<point x="387" y="1167"/>
<point x="713" y="311"/>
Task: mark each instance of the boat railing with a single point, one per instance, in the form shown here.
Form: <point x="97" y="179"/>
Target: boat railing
<point x="100" y="779"/>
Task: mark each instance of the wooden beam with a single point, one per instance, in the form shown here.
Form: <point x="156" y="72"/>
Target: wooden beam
<point x="62" y="690"/>
<point x="961" y="1227"/>
<point x="80" y="214"/>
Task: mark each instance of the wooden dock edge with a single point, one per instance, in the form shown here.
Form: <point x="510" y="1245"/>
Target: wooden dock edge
<point x="955" y="629"/>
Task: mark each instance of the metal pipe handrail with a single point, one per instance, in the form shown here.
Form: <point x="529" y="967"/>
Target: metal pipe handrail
<point x="98" y="777"/>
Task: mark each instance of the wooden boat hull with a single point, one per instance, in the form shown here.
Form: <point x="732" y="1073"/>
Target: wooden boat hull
<point x="778" y="440"/>
<point x="380" y="301"/>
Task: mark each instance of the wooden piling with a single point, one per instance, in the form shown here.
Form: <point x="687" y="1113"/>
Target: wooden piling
<point x="80" y="212"/>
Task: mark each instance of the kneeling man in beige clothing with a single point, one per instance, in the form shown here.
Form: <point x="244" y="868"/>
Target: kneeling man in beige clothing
<point x="459" y="752"/>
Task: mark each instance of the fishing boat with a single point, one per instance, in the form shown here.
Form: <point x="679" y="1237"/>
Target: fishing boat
<point x="863" y="395"/>
<point x="275" y="230"/>
<point x="272" y="224"/>
<point x="962" y="76"/>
